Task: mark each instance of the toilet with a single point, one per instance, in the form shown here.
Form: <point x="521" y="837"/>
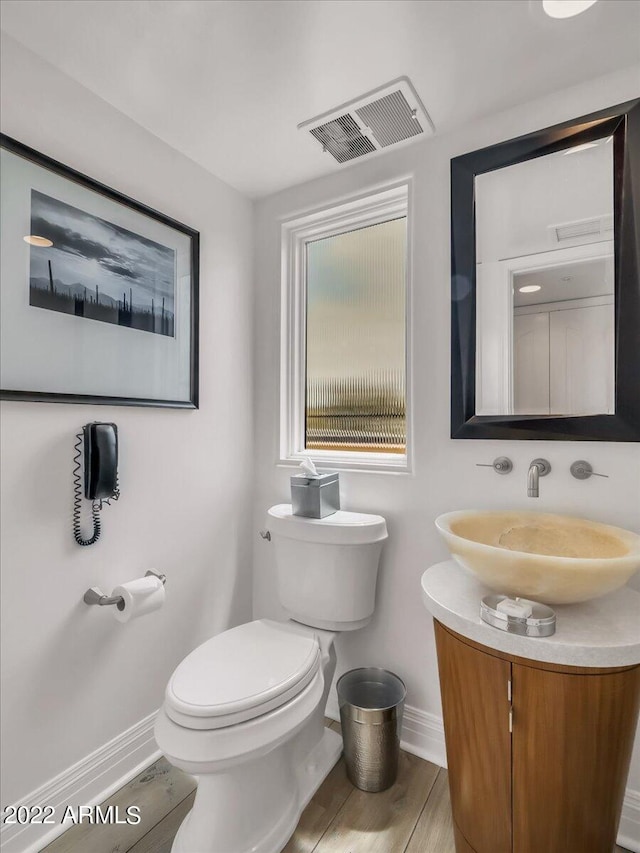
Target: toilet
<point x="244" y="712"/>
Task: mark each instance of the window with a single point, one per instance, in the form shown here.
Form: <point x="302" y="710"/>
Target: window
<point x="344" y="365"/>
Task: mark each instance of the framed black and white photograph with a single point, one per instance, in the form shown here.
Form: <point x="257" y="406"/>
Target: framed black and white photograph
<point x="99" y="296"/>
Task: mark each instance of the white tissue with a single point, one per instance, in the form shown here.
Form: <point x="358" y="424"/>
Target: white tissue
<point x="141" y="596"/>
<point x="309" y="468"/>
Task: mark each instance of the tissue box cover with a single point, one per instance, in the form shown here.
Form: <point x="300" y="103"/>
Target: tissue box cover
<point x="315" y="497"/>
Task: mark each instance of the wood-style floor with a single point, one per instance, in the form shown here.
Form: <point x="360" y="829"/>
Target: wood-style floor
<point x="413" y="816"/>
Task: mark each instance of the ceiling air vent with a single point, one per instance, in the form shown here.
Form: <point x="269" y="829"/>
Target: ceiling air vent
<point x="390" y="115"/>
<point x="583" y="230"/>
<point x="342" y="138"/>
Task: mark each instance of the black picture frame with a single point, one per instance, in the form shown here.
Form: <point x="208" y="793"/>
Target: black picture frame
<point x="48" y="163"/>
<point x="623" y="123"/>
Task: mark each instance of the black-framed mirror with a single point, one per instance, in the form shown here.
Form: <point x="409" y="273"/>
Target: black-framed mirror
<point x="545" y="283"/>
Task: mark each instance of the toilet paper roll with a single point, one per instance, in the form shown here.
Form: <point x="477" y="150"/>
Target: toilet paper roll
<point x="141" y="596"/>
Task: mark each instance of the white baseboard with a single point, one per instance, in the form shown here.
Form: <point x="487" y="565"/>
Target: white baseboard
<point x="423" y="735"/>
<point x="87" y="783"/>
<point x="629" y="830"/>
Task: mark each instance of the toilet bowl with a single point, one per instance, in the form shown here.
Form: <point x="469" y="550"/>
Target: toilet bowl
<point x="244" y="712"/>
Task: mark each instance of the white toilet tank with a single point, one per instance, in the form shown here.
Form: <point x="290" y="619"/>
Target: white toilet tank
<point x="327" y="567"/>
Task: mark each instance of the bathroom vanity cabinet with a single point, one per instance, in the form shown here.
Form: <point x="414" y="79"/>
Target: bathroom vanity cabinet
<point x="539" y="732"/>
<point x="538" y="754"/>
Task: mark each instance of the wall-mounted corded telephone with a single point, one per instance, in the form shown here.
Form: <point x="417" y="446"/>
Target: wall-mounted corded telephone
<point x="96" y="451"/>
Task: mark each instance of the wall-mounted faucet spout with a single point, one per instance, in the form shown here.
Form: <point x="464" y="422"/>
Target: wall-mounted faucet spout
<point x="538" y="468"/>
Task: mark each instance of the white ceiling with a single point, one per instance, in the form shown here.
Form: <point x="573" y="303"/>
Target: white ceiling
<point x="227" y="82"/>
<point x="577" y="280"/>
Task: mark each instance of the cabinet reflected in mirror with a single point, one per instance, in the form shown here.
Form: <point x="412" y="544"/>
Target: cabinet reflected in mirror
<point x="546" y="285"/>
<point x="563" y="340"/>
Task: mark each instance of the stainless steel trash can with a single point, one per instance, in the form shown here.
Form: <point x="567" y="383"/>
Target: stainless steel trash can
<point x="371" y="704"/>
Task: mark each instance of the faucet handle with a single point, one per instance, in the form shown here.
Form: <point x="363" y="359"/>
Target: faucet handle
<point x="501" y="465"/>
<point x="582" y="470"/>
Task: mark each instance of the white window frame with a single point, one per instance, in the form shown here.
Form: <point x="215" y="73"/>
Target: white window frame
<point x="380" y="205"/>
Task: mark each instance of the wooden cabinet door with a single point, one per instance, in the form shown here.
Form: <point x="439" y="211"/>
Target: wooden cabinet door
<point x="475" y="702"/>
<point x="572" y="741"/>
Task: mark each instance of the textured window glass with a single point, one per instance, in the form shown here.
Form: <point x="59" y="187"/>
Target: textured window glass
<point x="356" y="300"/>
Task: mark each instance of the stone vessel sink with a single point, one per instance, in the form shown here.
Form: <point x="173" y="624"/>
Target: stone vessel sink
<point x="555" y="559"/>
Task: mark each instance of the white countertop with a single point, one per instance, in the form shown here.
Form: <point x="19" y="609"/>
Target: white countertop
<point x="604" y="632"/>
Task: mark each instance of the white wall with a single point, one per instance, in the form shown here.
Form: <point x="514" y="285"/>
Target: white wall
<point x="445" y="477"/>
<point x="559" y="188"/>
<point x="72" y="678"/>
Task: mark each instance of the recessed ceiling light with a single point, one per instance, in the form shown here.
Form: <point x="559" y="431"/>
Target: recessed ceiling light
<point x="530" y="288"/>
<point x="566" y="8"/>
<point x="33" y="240"/>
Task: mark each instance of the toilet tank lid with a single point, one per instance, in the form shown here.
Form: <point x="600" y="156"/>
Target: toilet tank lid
<point x="340" y="528"/>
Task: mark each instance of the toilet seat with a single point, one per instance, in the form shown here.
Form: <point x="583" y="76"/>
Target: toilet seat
<point x="241" y="674"/>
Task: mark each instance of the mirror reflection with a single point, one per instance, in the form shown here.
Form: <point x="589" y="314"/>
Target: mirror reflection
<point x="545" y="338"/>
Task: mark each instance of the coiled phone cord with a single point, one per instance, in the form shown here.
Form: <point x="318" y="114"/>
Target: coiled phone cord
<point x="96" y="505"/>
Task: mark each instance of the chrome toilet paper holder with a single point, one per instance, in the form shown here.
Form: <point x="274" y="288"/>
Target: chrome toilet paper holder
<point x="94" y="595"/>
